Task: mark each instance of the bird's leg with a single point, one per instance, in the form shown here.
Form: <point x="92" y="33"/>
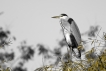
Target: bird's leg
<point x="77" y="53"/>
<point x="73" y="52"/>
<point x="70" y="53"/>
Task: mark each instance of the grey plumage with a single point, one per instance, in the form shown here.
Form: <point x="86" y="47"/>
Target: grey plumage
<point x="71" y="31"/>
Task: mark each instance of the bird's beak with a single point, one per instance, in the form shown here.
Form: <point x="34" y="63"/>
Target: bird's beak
<point x="56" y="16"/>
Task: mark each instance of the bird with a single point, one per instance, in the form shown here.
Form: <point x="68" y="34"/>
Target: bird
<point x="71" y="33"/>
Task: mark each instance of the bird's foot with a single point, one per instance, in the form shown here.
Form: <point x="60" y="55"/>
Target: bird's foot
<point x="78" y="56"/>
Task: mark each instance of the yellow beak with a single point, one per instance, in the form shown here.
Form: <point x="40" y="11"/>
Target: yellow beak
<point x="56" y="17"/>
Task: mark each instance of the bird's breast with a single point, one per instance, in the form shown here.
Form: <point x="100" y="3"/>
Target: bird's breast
<point x="67" y="37"/>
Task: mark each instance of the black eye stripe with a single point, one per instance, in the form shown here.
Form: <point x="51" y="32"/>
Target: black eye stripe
<point x="63" y="15"/>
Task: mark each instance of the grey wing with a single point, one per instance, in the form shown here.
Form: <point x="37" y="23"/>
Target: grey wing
<point x="76" y="32"/>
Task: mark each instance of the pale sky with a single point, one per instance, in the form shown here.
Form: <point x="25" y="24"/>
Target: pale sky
<point x="31" y="19"/>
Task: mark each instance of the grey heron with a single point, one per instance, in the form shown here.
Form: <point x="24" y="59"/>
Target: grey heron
<point x="71" y="32"/>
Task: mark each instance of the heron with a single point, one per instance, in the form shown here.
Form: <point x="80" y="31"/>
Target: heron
<point x="71" y="33"/>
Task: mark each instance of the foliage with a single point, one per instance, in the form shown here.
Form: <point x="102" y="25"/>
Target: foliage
<point x="7" y="69"/>
<point x="90" y="64"/>
<point x="92" y="61"/>
<point x="26" y="53"/>
<point x="4" y="57"/>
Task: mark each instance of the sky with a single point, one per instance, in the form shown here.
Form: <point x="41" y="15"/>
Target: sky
<point x="31" y="19"/>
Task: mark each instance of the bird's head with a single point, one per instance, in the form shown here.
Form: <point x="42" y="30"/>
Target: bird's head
<point x="61" y="16"/>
